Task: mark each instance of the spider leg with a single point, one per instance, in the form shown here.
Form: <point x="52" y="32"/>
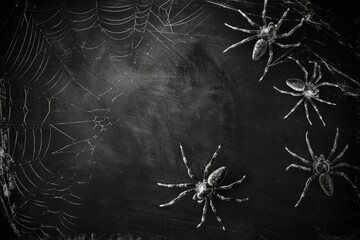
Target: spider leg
<point x="299" y="167"/>
<point x="306" y="74"/>
<point x="268" y="62"/>
<point x="305" y="189"/>
<point x="298" y="157"/>
<point x="216" y="215"/>
<point x="288" y="34"/>
<point x="289" y="93"/>
<point x="293" y="109"/>
<point x="191" y="175"/>
<point x="194" y="196"/>
<point x="181" y="185"/>
<point x="340" y="155"/>
<point x="287" y="45"/>
<point x="231" y="185"/>
<point x="231" y="199"/>
<point x="184" y="193"/>
<point x="264" y="12"/>
<point x="281" y="19"/>
<point x="320" y="74"/>
<point x="307" y="111"/>
<point x="204" y="212"/>
<point x="309" y="146"/>
<point x="323" y="101"/>
<point x="347" y="179"/>
<point x="241" y="29"/>
<point x="345" y="165"/>
<point x="210" y="162"/>
<point x="327" y="84"/>
<point x="317" y="111"/>
<point x="248" y="19"/>
<point x="314" y="71"/>
<point x="334" y="145"/>
<point x="241" y="42"/>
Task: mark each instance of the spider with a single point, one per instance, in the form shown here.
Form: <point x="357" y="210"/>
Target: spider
<point x="267" y="34"/>
<point x="308" y="90"/>
<point x="323" y="168"/>
<point x="205" y="189"/>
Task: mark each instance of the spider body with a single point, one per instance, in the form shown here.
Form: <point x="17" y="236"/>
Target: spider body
<point x="267" y="34"/>
<point x="323" y="168"/>
<point x="308" y="90"/>
<point x="205" y="189"/>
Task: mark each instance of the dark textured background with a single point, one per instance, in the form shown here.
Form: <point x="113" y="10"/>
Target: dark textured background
<point x="195" y="95"/>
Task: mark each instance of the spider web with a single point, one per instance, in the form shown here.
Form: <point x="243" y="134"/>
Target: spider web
<point x="44" y="161"/>
<point x="67" y="66"/>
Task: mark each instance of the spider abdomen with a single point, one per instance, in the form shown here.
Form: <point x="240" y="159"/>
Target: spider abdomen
<point x="326" y="184"/>
<point x="217" y="176"/>
<point x="259" y="49"/>
<point x="296" y="84"/>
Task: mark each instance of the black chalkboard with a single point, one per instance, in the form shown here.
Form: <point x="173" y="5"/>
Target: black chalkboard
<point x="97" y="96"/>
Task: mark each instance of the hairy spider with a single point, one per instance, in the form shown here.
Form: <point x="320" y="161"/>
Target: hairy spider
<point x="323" y="168"/>
<point x="267" y="34"/>
<point x="205" y="189"/>
<point x="308" y="90"/>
